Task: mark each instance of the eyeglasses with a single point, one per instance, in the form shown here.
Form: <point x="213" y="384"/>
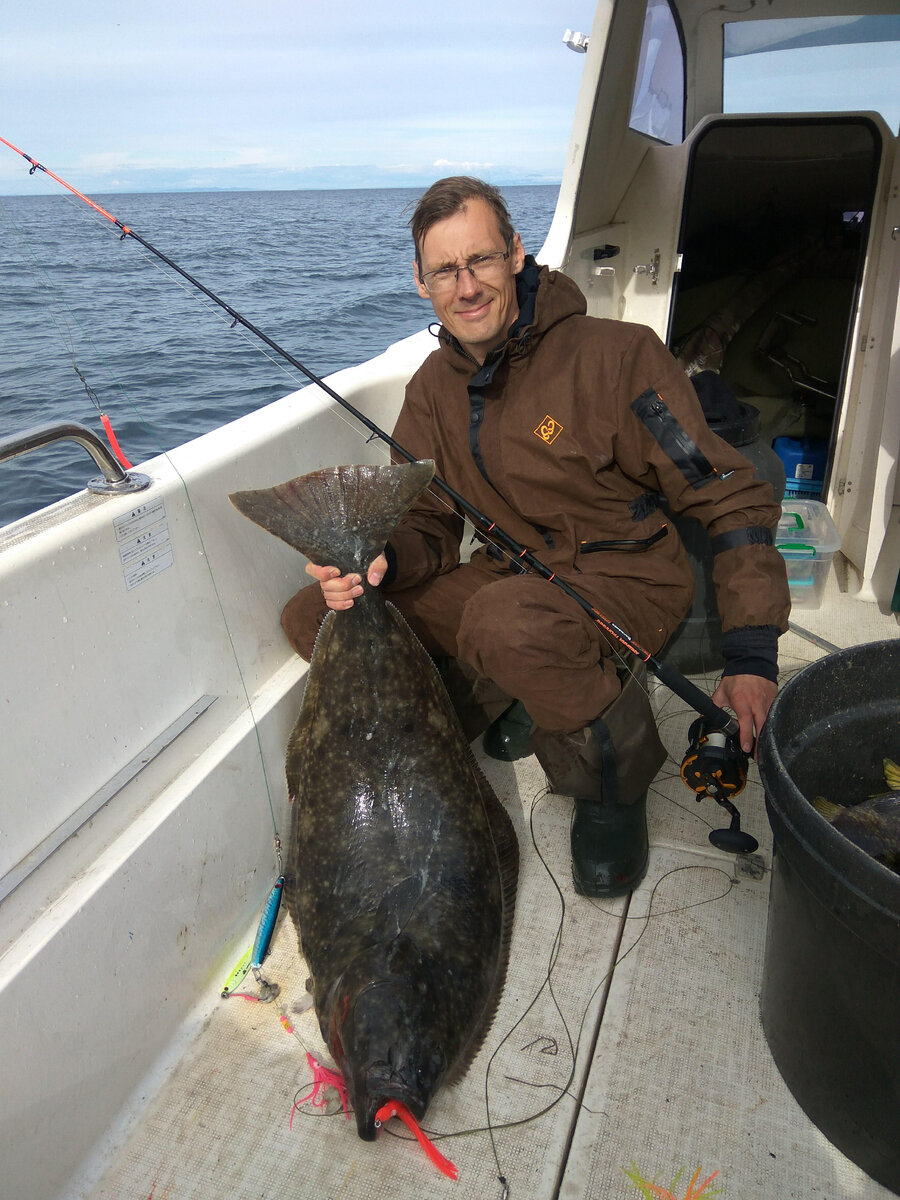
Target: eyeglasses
<point x="486" y="268"/>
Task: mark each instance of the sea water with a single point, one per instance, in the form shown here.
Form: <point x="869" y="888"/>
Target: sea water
<point x="325" y="274"/>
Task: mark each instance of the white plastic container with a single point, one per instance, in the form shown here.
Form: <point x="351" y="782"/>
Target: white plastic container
<point x="806" y="539"/>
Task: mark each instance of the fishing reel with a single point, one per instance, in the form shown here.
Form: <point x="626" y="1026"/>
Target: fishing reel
<point x="716" y="766"/>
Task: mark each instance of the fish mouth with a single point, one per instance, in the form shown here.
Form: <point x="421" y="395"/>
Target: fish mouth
<point x="376" y="1091"/>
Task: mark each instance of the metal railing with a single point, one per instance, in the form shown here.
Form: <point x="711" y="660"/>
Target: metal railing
<point x="114" y="480"/>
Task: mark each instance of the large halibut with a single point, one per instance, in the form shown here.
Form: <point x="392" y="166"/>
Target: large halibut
<point x="402" y="864"/>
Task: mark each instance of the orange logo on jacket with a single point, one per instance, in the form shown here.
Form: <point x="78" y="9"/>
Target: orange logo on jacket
<point x="548" y="430"/>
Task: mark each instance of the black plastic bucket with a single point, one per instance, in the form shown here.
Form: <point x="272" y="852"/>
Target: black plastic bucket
<point x="831" y="980"/>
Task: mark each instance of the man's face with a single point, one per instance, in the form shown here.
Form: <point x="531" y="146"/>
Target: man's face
<point x="477" y="312"/>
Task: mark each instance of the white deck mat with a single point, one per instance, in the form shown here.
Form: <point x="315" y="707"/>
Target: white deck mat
<point x="682" y="1079"/>
<point x="221" y="1125"/>
<point x="681" y="1076"/>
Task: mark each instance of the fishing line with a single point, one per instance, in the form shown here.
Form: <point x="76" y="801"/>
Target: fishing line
<point x="698" y="700"/>
<point x="58" y="302"/>
<point x="215" y="311"/>
<point x="88" y="214"/>
<point x="65" y="320"/>
<point x="40" y="274"/>
<point x="574" y="1046"/>
<point x="511" y="553"/>
<point x="64" y="330"/>
<point x="624" y="917"/>
<point x="66" y="334"/>
<point x="556" y="945"/>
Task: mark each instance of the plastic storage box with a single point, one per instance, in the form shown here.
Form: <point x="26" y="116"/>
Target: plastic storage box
<point x="804" y="466"/>
<point x="807" y="539"/>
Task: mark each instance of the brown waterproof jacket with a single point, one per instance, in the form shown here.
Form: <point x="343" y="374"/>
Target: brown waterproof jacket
<point x="566" y="437"/>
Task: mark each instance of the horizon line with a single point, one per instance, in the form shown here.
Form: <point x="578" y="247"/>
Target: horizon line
<point x="310" y="187"/>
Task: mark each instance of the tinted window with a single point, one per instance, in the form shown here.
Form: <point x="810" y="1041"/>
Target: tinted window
<point x="657" y="105"/>
<point x="813" y="64"/>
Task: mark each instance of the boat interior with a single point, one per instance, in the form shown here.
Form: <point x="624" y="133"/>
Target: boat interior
<point x="149" y="694"/>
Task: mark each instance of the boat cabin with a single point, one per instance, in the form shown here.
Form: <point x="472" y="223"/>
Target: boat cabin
<point x="759" y="244"/>
<point x="148" y="693"/>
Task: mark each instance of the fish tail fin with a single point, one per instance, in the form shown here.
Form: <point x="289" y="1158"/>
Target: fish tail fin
<point x="341" y="516"/>
<point x="891" y="774"/>
<point x="826" y="808"/>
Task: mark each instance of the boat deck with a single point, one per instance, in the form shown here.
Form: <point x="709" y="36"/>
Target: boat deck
<point x="627" y="1049"/>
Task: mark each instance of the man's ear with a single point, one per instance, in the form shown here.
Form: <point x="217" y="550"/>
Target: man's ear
<point x="517" y="254"/>
<point x="420" y="286"/>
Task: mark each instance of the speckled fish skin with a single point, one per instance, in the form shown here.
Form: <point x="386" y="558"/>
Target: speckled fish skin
<point x="872" y="825"/>
<point x="402" y="864"/>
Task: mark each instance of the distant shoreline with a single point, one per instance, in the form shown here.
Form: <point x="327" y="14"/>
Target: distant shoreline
<point x="43" y="189"/>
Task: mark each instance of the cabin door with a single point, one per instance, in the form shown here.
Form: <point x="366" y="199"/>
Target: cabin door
<point x="777" y="217"/>
<point x="788" y="289"/>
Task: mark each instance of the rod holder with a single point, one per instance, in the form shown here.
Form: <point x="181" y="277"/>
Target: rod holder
<point x="114" y="481"/>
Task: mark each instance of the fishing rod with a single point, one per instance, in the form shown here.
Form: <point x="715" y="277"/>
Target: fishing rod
<point x="715" y="764"/>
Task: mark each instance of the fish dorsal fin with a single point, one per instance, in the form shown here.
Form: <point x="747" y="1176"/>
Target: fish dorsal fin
<point x="506" y="845"/>
<point x="341" y="516"/>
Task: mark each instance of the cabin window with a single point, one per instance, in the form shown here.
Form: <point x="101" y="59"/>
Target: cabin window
<point x="657" y="104"/>
<point x="813" y="64"/>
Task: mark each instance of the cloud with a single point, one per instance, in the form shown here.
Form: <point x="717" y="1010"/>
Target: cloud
<point x="212" y="86"/>
<point x="444" y="164"/>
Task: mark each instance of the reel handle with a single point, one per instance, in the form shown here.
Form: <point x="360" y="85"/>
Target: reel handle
<point x="715" y="765"/>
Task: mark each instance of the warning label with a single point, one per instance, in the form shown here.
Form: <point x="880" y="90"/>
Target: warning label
<point x="145" y="547"/>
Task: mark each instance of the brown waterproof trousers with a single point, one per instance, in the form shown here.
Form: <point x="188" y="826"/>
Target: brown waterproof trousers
<point x="526" y="636"/>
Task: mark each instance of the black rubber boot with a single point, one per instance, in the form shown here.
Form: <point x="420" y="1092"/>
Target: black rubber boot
<point x="610" y="847"/>
<point x="607" y="768"/>
<point x="509" y="737"/>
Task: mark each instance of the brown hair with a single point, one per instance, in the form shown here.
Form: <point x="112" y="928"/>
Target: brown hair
<point x="446" y="197"/>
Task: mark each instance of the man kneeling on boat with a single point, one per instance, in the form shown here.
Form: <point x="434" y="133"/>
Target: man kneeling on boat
<point x="566" y="429"/>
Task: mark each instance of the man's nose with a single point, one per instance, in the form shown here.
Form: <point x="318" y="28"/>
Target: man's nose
<point x="466" y="283"/>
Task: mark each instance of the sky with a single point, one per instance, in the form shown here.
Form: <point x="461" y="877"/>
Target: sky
<point x="137" y="95"/>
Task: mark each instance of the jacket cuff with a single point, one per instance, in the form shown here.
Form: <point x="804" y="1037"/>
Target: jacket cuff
<point x="752" y="650"/>
<point x="391" y="573"/>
